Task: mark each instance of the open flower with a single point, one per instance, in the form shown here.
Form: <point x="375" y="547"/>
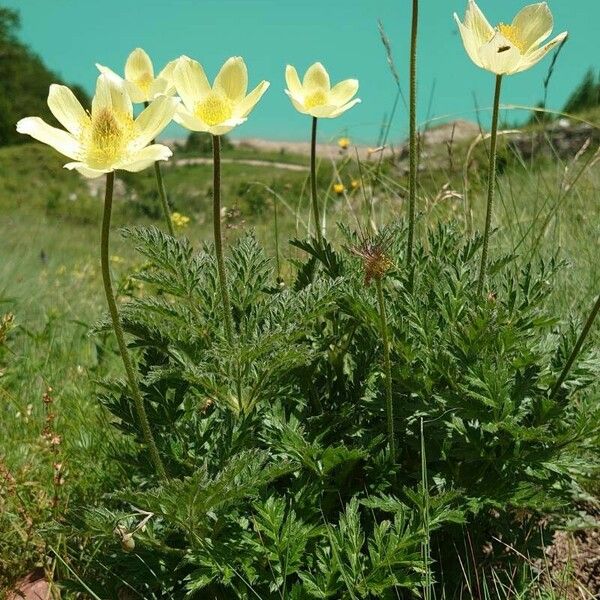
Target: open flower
<point x="219" y="108"/>
<point x="508" y="49"/>
<point x="315" y="96"/>
<point x="344" y="143"/>
<point x="339" y="188"/>
<point x="139" y="80"/>
<point x="107" y="138"/>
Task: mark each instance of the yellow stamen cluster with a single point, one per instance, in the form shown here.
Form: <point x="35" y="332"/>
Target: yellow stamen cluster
<point x="108" y="138"/>
<point x="511" y="33"/>
<point x="214" y="109"/>
<point x="318" y="98"/>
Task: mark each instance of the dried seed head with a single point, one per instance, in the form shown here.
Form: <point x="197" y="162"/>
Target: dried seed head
<point x="373" y="250"/>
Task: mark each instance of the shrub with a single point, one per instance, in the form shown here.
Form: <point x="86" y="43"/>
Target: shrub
<point x="281" y="482"/>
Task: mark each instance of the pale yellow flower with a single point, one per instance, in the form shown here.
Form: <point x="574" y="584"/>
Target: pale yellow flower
<point x="219" y="108"/>
<point x="315" y="96"/>
<point x="339" y="188"/>
<point x="355" y="184"/>
<point x="180" y="221"/>
<point x="107" y="138"/>
<point x="344" y="143"/>
<point x="140" y="81"/>
<point x="507" y="49"/>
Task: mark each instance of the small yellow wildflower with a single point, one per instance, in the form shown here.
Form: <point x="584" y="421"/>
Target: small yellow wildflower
<point x="355" y="184"/>
<point x="339" y="188"/>
<point x="180" y="221"/>
<point x="344" y="143"/>
<point x="116" y="259"/>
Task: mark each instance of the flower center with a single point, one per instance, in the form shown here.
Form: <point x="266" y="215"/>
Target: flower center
<point x="144" y="82"/>
<point x="108" y="138"/>
<point x="214" y="109"/>
<point x="511" y="33"/>
<point x="318" y="98"/>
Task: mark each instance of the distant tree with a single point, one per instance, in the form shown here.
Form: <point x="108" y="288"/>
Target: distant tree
<point x="24" y="81"/>
<point x="586" y="95"/>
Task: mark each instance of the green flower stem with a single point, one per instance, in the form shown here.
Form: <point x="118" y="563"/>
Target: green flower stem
<point x="582" y="336"/>
<point x="388" y="370"/>
<point x="216" y="140"/>
<point x="114" y="313"/>
<point x="162" y="192"/>
<point x="491" y="186"/>
<point x="313" y="180"/>
<point x="413" y="150"/>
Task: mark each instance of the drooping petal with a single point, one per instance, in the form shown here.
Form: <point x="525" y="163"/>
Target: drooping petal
<point x="345" y="107"/>
<point x="315" y="79"/>
<point x="475" y="21"/>
<point x="470" y="41"/>
<point x="534" y="24"/>
<point x="190" y="81"/>
<point x="111" y="93"/>
<point x="138" y="66"/>
<point x="144" y="158"/>
<point x="189" y="120"/>
<point x="232" y="79"/>
<point x="533" y="57"/>
<point x="225" y="127"/>
<point x="66" y="108"/>
<point x="499" y="55"/>
<point x="85" y="170"/>
<point x="58" y="139"/>
<point x="153" y="119"/>
<point x="249" y="102"/>
<point x="293" y="81"/>
<point x="344" y="91"/>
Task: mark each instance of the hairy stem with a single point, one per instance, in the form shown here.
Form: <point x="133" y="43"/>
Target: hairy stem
<point x="491" y="186"/>
<point x="413" y="149"/>
<point x="313" y="180"/>
<point x="388" y="370"/>
<point x="162" y="192"/>
<point x="216" y="143"/>
<point x="116" y="321"/>
<point x="582" y="337"/>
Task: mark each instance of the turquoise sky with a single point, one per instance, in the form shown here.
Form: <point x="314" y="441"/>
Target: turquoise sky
<point x="71" y="35"/>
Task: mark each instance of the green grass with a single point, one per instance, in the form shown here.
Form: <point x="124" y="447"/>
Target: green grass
<point x="50" y="281"/>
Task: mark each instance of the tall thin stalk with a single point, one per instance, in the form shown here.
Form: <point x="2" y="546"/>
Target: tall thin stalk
<point x="116" y="321"/>
<point x="216" y="144"/>
<point x="313" y="180"/>
<point x="388" y="369"/>
<point x="162" y="193"/>
<point x="491" y="185"/>
<point x="577" y="348"/>
<point x="413" y="149"/>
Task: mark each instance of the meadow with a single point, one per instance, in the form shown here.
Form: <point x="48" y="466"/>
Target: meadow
<point x="365" y="409"/>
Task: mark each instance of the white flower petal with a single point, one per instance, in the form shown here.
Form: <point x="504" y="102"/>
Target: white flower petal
<point x="136" y="93"/>
<point x="138" y="66"/>
<point x="298" y="105"/>
<point x="112" y="94"/>
<point x="58" y="139"/>
<point x="189" y="120"/>
<point x="167" y="72"/>
<point x="475" y="21"/>
<point x="190" y="81"/>
<point x="499" y="56"/>
<point x="293" y="81"/>
<point x="343" y="109"/>
<point x="344" y="91"/>
<point x="85" y="170"/>
<point x="326" y="111"/>
<point x="145" y="158"/>
<point x="153" y="119"/>
<point x="232" y="79"/>
<point x="249" y="102"/>
<point x="315" y="79"/>
<point x="470" y="41"/>
<point x="533" y="57"/>
<point x="66" y="108"/>
<point x="534" y="24"/>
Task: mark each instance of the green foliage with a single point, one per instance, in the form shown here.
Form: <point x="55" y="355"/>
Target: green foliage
<point x="281" y="485"/>
<point x="24" y="81"/>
